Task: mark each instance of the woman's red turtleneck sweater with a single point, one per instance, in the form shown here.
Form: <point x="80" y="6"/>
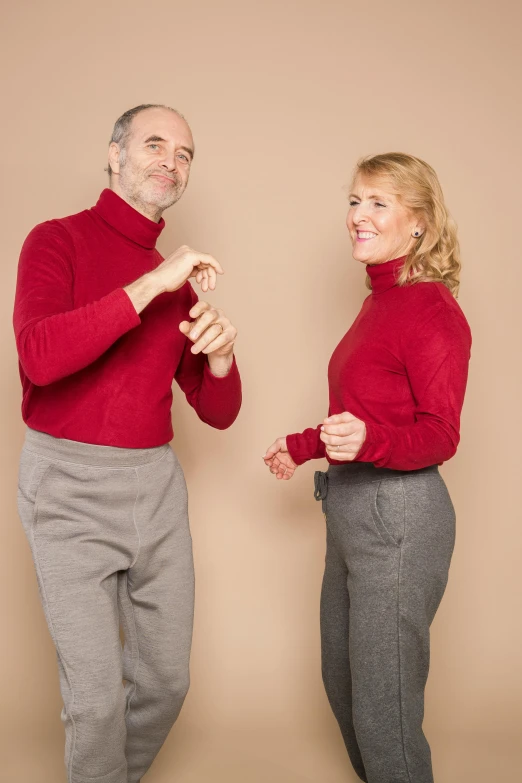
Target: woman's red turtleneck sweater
<point x="92" y="369"/>
<point x="402" y="369"/>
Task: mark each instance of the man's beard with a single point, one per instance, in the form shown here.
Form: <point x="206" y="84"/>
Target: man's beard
<point x="139" y="188"/>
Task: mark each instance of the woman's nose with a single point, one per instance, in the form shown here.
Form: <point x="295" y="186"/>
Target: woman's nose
<point x="359" y="214"/>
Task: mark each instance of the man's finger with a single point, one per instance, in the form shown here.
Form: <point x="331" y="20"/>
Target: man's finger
<point x="199" y="308"/>
<point x="211" y="340"/>
<point x="206" y="260"/>
<point x="221" y="340"/>
<point x="208" y="318"/>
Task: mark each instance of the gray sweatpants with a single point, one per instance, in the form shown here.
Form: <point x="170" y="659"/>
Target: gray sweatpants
<point x="110" y="539"/>
<point x="390" y="537"/>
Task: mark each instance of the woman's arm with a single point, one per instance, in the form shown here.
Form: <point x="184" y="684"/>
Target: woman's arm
<point x="306" y="445"/>
<point x="436" y="356"/>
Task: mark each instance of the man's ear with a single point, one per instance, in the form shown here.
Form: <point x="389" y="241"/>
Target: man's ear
<point x="114" y="157"/>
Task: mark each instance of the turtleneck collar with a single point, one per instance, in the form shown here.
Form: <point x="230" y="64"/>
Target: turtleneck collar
<point x="384" y="276"/>
<point x="128" y="221"/>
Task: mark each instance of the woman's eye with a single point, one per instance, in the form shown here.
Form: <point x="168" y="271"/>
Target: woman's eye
<point x="353" y="203"/>
<point x="378" y="204"/>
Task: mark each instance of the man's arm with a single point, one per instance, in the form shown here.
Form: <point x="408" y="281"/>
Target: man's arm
<point x="207" y="372"/>
<point x="54" y="339"/>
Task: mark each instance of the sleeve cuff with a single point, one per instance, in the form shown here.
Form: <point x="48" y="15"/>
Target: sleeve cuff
<point x="292" y="444"/>
<point x="376" y="447"/>
<point x="127" y="309"/>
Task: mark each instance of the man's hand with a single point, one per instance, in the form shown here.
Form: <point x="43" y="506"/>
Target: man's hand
<point x="344" y="436"/>
<point x="172" y="273"/>
<point x="278" y="460"/>
<point x="185" y="262"/>
<point x="212" y="334"/>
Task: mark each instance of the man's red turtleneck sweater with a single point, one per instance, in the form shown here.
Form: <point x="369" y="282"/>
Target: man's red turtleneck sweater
<point x="92" y="369"/>
<point x="402" y="369"/>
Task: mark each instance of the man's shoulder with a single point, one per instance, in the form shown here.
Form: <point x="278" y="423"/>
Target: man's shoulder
<point x="62" y="228"/>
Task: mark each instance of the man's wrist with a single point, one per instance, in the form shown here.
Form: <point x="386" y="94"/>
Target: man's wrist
<point x="220" y="366"/>
<point x="144" y="290"/>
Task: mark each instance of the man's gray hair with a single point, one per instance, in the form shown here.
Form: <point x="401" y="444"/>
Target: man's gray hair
<point x="121" y="130"/>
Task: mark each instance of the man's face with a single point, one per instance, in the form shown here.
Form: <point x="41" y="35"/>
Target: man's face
<point x="152" y="169"/>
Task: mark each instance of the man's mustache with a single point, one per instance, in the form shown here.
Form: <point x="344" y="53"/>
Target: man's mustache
<point x="175" y="180"/>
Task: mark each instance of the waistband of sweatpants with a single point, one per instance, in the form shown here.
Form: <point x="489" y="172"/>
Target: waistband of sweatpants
<point x="49" y="447"/>
<point x="359" y="472"/>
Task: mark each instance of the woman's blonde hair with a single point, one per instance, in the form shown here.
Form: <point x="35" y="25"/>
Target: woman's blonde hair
<point x="435" y="257"/>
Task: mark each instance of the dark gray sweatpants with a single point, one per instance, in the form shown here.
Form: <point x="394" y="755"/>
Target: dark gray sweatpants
<point x="110" y="539"/>
<point x="390" y="537"/>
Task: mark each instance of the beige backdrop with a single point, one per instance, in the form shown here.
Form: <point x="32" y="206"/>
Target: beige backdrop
<point x="283" y="97"/>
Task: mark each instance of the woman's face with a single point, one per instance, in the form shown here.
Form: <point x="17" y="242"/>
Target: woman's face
<point x="380" y="226"/>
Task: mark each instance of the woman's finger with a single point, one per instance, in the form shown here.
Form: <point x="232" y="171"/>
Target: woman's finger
<point x="341" y="429"/>
<point x="273" y="449"/>
<point x="334" y="440"/>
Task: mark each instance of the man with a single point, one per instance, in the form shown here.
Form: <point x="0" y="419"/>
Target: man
<point x="103" y="325"/>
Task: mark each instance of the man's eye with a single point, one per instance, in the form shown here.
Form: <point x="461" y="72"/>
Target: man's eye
<point x="153" y="145"/>
<point x="184" y="157"/>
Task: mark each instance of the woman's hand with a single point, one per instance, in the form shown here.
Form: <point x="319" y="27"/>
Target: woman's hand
<point x="278" y="460"/>
<point x="344" y="436"/>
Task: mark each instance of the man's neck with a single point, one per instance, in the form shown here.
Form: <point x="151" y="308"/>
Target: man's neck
<point x="150" y="211"/>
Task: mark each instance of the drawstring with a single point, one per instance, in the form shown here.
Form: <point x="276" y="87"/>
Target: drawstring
<point x="321" y="487"/>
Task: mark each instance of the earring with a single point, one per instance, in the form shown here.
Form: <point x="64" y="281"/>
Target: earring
<point x="416" y="234"/>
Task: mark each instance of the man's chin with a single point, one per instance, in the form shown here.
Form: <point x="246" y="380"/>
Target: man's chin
<point x="163" y="200"/>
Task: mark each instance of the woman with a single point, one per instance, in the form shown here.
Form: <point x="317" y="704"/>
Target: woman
<point x="396" y="383"/>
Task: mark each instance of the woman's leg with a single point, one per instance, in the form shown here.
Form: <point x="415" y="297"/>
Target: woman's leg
<point x="396" y="536"/>
<point x="335" y="615"/>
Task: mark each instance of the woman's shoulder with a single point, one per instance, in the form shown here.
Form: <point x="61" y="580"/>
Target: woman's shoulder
<point x="434" y="294"/>
<point x="434" y="303"/>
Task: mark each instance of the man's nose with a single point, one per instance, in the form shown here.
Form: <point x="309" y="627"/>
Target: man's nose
<point x="169" y="161"/>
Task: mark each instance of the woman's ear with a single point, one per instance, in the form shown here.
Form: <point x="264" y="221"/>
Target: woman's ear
<point x="418" y="229"/>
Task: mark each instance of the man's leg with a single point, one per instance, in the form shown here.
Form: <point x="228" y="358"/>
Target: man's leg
<point x="79" y="523"/>
<point x="157" y="599"/>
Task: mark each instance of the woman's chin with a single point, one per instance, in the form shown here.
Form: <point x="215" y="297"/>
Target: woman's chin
<point x="359" y="254"/>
